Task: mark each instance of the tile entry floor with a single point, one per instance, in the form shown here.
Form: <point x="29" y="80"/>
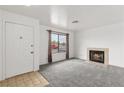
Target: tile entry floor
<point x="31" y="79"/>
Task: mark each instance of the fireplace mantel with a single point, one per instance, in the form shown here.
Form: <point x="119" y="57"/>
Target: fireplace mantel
<point x="106" y="54"/>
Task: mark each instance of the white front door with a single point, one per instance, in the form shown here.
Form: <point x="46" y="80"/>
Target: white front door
<point x="19" y="49"/>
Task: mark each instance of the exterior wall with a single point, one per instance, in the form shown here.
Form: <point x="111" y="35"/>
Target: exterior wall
<point x="44" y="45"/>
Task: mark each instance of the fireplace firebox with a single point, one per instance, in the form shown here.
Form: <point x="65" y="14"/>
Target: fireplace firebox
<point x="96" y="56"/>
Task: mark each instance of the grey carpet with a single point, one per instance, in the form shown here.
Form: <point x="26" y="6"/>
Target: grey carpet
<point x="78" y="73"/>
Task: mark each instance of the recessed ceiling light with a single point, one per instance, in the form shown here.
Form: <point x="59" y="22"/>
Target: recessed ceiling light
<point x="75" y="21"/>
<point x="27" y="5"/>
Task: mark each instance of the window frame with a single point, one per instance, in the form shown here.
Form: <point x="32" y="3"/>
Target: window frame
<point x="58" y="40"/>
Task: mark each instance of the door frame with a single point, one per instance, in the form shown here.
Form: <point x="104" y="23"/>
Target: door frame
<point x="4" y="45"/>
<point x="1" y="47"/>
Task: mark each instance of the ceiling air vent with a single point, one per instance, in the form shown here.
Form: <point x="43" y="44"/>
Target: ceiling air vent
<point x="75" y="21"/>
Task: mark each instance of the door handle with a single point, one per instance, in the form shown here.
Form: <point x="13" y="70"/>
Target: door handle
<point x="32" y="52"/>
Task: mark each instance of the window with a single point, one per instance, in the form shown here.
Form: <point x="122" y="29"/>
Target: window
<point x="54" y="43"/>
<point x="62" y="43"/>
<point x="58" y="43"/>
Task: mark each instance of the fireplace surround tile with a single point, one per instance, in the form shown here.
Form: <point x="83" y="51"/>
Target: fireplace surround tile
<point x="106" y="54"/>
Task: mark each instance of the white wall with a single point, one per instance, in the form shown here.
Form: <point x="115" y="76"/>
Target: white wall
<point x="109" y="36"/>
<point x="0" y="46"/>
<point x="0" y="50"/>
<point x="44" y="45"/>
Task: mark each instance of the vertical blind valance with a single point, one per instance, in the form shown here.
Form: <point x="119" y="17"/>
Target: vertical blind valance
<point x="55" y="32"/>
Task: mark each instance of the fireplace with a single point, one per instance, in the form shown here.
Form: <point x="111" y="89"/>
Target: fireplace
<point x="96" y="56"/>
<point x="99" y="55"/>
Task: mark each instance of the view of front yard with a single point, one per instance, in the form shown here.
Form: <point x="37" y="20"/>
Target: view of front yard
<point x="58" y="43"/>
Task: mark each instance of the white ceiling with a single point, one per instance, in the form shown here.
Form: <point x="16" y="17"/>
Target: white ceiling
<point x="62" y="16"/>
